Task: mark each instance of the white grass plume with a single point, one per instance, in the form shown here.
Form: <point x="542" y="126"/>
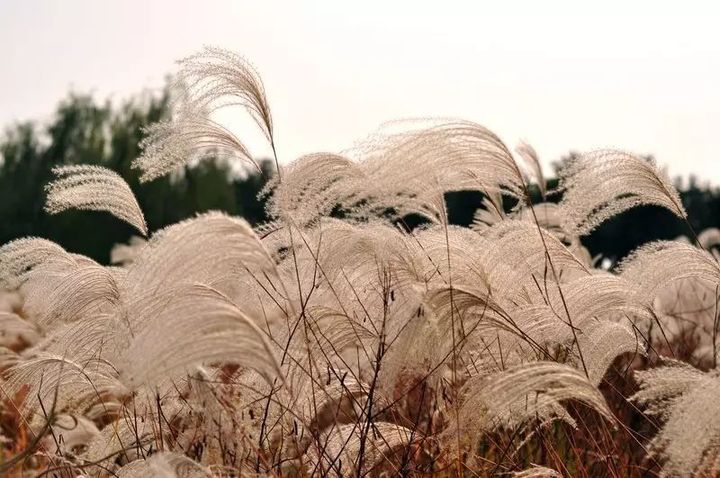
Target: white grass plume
<point x="94" y="188"/>
<point x="164" y="465"/>
<point x="656" y="265"/>
<point x="211" y="248"/>
<point x="192" y="326"/>
<point x="409" y="171"/>
<point x="189" y="136"/>
<point x="601" y="184"/>
<point x="532" y="161"/>
<point x="20" y="257"/>
<point x="537" y="471"/>
<point x="125" y="254"/>
<point x="215" y="78"/>
<point x="342" y="447"/>
<point x="311" y="187"/>
<point x="686" y="400"/>
<point x="56" y="285"/>
<point x="207" y="81"/>
<point x="525" y="393"/>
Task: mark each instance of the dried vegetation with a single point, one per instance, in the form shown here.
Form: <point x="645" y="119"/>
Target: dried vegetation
<point x="335" y="341"/>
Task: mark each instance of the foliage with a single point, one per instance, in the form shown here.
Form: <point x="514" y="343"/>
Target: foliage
<point x="85" y="132"/>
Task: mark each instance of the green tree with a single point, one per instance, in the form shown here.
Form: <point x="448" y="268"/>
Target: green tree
<point x="85" y="131"/>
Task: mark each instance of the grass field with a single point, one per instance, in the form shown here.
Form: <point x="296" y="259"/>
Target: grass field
<point x="336" y="340"/>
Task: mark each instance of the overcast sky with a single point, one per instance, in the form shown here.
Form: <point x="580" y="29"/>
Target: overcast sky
<point x="640" y="76"/>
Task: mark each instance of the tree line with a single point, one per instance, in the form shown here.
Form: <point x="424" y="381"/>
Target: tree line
<point x="85" y="131"/>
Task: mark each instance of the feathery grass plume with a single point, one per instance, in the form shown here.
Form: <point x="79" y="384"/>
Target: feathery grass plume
<point x="311" y="187"/>
<point x="599" y="295"/>
<point x="686" y="400"/>
<point x="70" y="294"/>
<point x="469" y="304"/>
<point x="14" y="328"/>
<point x="355" y="255"/>
<point x="517" y="260"/>
<point x="709" y="238"/>
<point x="365" y="292"/>
<point x="125" y="254"/>
<point x="190" y="135"/>
<point x="596" y="306"/>
<point x="531" y="160"/>
<point x="524" y="394"/>
<point x="602" y="342"/>
<point x="343" y="448"/>
<point x="164" y="465"/>
<point x="488" y="337"/>
<point x="207" y="81"/>
<point x="487" y="214"/>
<point x="77" y="383"/>
<point x="601" y="184"/>
<point x="466" y="250"/>
<point x="658" y="264"/>
<point x="56" y="285"/>
<point x="329" y="338"/>
<point x="94" y="188"/>
<point x="20" y="257"/>
<point x="211" y="248"/>
<point x="408" y="172"/>
<point x="216" y="78"/>
<point x="191" y="326"/>
<point x="537" y="471"/>
<point x="548" y="216"/>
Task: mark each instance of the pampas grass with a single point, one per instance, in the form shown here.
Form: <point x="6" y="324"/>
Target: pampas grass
<point x="335" y="341"/>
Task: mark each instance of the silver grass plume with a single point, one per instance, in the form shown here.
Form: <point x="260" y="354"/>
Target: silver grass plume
<point x="686" y="399"/>
<point x="709" y="238"/>
<point x="532" y="161"/>
<point x="212" y="248"/>
<point x="56" y="284"/>
<point x="311" y="187"/>
<point x="207" y="81"/>
<point x="487" y="214"/>
<point x="216" y="78"/>
<point x="190" y="135"/>
<point x="403" y="172"/>
<point x="70" y="294"/>
<point x="602" y="342"/>
<point x="191" y="326"/>
<point x="125" y="254"/>
<point x="78" y="383"/>
<point x="601" y="184"/>
<point x="517" y="257"/>
<point x="658" y="264"/>
<point x="341" y="448"/>
<point x="525" y="393"/>
<point x="20" y="257"/>
<point x="94" y="188"/>
<point x="164" y="465"/>
<point x="537" y="471"/>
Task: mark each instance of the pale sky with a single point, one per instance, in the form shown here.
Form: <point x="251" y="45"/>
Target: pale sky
<point x="640" y="76"/>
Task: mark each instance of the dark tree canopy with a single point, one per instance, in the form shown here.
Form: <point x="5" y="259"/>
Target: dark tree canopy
<point x="85" y="131"/>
